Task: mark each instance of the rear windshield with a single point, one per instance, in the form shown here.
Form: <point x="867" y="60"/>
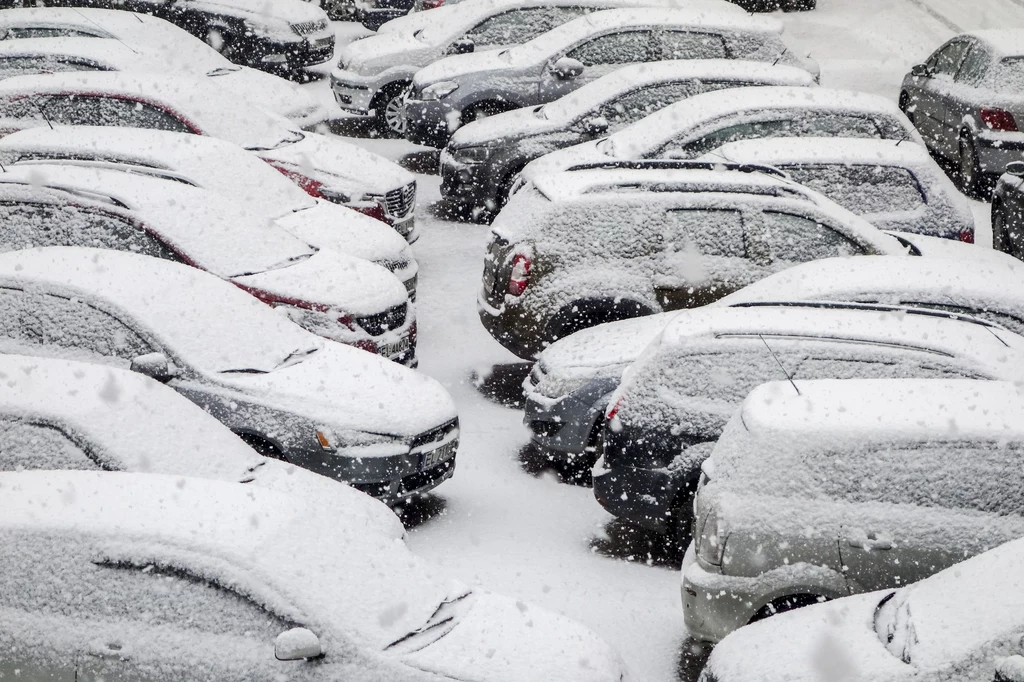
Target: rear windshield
<point x="862" y="189"/>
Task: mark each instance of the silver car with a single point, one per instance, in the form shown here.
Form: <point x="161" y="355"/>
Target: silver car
<point x="966" y="100"/>
<point x="462" y="88"/>
<point x="823" y="489"/>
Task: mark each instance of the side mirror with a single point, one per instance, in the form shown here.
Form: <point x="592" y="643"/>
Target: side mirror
<point x="1009" y="669"/>
<point x="462" y="46"/>
<point x="296" y="644"/>
<point x="155" y="366"/>
<point x="922" y="71"/>
<point x="1015" y="168"/>
<point x="567" y="68"/>
<point x="596" y="126"/>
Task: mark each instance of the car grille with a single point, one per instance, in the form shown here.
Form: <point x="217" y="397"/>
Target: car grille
<point x="306" y="28"/>
<point x="392" y="318"/>
<point x="435" y="435"/>
<point x="400" y="202"/>
<point x="395" y="266"/>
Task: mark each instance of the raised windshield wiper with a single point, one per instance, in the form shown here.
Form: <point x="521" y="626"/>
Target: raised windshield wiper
<point x="221" y="70"/>
<point x="296" y="136"/>
<point x="276" y="266"/>
<point x="297" y="355"/>
<point x="245" y="370"/>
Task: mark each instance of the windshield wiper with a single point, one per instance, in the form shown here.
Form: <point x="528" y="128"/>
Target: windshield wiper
<point x="296" y="137"/>
<point x="297" y="355"/>
<point x="245" y="370"/>
<point x="221" y="70"/>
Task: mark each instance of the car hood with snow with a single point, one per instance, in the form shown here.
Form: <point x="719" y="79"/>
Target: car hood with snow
<point x="283" y="12"/>
<point x="372" y="604"/>
<point x="374" y="53"/>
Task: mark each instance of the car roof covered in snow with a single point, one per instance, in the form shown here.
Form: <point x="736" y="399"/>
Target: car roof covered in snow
<point x="211" y="161"/>
<point x="108" y="23"/>
<point x="652" y="73"/>
<point x="893" y="279"/>
<point x="827" y="150"/>
<point x="112" y="54"/>
<point x="207" y="108"/>
<point x="677" y="118"/>
<point x="1006" y="42"/>
<point x="130" y="422"/>
<point x="216" y="233"/>
<point x="860" y="410"/>
<point x="267" y="545"/>
<point x="921" y="330"/>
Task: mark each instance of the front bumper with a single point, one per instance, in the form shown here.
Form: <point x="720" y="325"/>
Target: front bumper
<point x="641" y="496"/>
<point x="512" y="328"/>
<point x="272" y="55"/>
<point x="430" y="123"/>
<point x="354" y="93"/>
<point x="476" y="184"/>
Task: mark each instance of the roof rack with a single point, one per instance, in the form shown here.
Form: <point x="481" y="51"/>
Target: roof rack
<point x="671" y="164"/>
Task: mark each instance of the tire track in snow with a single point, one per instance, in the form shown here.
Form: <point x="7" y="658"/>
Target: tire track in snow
<point x="942" y="19"/>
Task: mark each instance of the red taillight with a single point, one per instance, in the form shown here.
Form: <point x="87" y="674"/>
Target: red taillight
<point x="308" y="185"/>
<point x="967" y="236"/>
<point x="614" y="410"/>
<point x="520" y="276"/>
<point x="432" y="4"/>
<point x="367" y="345"/>
<point x="372" y="209"/>
<point x="998" y="119"/>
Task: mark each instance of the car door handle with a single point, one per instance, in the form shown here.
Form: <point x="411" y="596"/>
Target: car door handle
<point x="870" y="541"/>
<point x="109" y="651"/>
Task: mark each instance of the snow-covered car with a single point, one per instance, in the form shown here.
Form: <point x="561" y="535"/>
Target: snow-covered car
<point x="966" y="99"/>
<point x="480" y="162"/>
<point x="674" y="401"/>
<point x="330" y="294"/>
<point x="893" y="187"/>
<point x="595" y="245"/>
<point x="325" y="167"/>
<point x="963" y="623"/>
<point x="461" y="88"/>
<point x="64" y="414"/>
<point x="704" y="123"/>
<point x="383" y="428"/>
<point x="145" y="43"/>
<point x="1008" y="211"/>
<point x="847" y="487"/>
<point x="568" y="388"/>
<point x="281" y="36"/>
<point x="373" y="74"/>
<point x="205" y="162"/>
<point x="112" y="575"/>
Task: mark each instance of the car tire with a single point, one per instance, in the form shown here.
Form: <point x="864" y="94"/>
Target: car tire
<point x="388" y="110"/>
<point x="905" y="107"/>
<point x="968" y="169"/>
<point x="262" y="446"/>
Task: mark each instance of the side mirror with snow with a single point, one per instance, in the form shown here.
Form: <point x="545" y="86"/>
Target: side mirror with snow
<point x="297" y="644"/>
<point x="155" y="366"/>
<point x="597" y="125"/>
<point x="1015" y="168"/>
<point x="922" y="71"/>
<point x="567" y="68"/>
<point x="462" y="46"/>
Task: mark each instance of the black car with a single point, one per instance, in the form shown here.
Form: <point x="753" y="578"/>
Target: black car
<point x="295" y="35"/>
<point x="483" y="157"/>
<point x="1008" y="211"/>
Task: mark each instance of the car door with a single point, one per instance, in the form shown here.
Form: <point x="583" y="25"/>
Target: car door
<point x="600" y="55"/>
<point x="703" y="257"/>
<point x="777" y="240"/>
<point x="934" y="89"/>
<point x="517" y="26"/>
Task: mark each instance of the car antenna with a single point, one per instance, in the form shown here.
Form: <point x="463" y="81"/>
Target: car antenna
<point x="101" y="28"/>
<point x="782" y="366"/>
<point x="781" y="55"/>
<point x="43" y="114"/>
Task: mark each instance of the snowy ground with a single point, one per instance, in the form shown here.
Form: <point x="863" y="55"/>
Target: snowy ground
<point x="497" y="526"/>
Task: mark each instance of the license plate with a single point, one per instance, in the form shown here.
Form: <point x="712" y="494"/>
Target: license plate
<point x="323" y="42"/>
<point x="400" y="346"/>
<point x="440" y="455"/>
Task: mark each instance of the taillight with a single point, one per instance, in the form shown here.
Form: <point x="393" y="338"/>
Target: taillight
<point x="372" y="209"/>
<point x="998" y="119"/>
<point x="967" y="236"/>
<point x="308" y="185"/>
<point x="520" y="276"/>
<point x="432" y="4"/>
<point x="614" y="410"/>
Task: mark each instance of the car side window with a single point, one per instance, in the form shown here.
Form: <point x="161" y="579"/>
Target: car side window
<point x="66" y="326"/>
<point x="47" y="32"/>
<point x="729" y="377"/>
<point x="624" y="47"/>
<point x="690" y="45"/>
<point x="638" y="104"/>
<point x="947" y="60"/>
<point x="109" y="111"/>
<point x="33" y="225"/>
<point x="975" y="63"/>
<point x="820" y="125"/>
<point x="705" y="232"/>
<point x="520" y="25"/>
<point x="27" y="66"/>
<point x="785" y="237"/>
<point x="25" y="445"/>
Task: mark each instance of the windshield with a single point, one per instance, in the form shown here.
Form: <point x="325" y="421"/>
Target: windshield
<point x="862" y="189"/>
<point x="1008" y="76"/>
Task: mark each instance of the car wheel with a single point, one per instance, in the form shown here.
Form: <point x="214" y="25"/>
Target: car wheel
<point x="968" y="168"/>
<point x="262" y="446"/>
<point x="390" y="110"/>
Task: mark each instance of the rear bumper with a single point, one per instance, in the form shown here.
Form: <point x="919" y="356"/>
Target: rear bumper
<point x="429" y="123"/>
<point x="641" y="496"/>
<point x="516" y="331"/>
<point x="476" y="184"/>
<point x="563" y="426"/>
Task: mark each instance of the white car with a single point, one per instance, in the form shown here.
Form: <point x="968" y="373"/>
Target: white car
<point x="137" y="42"/>
<point x="325" y="167"/>
<point x="63" y="414"/>
<point x="112" y="575"/>
<point x="350" y="415"/>
<point x="333" y="295"/>
<point x="702" y="124"/>
<point x="226" y="169"/>
<point x="956" y="625"/>
<point x="374" y="73"/>
<point x="892" y="186"/>
<point x="822" y="489"/>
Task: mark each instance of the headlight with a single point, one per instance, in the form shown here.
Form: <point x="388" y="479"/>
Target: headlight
<point x="472" y="155"/>
<point x="711" y="543"/>
<point x="439" y="90"/>
<point x="360" y="443"/>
